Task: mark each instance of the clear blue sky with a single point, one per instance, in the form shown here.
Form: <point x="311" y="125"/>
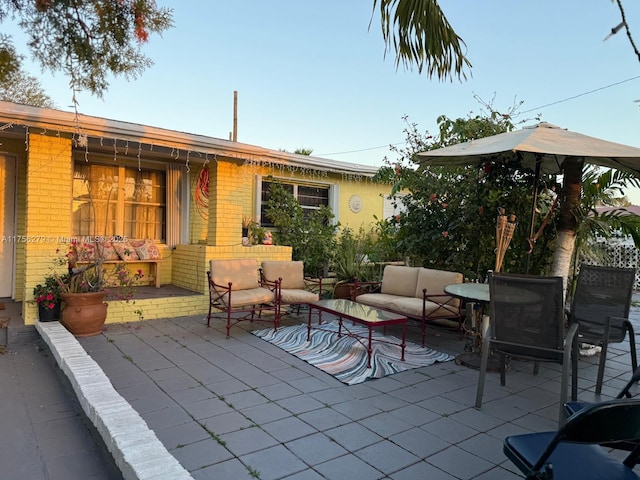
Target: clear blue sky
<point x="312" y="74"/>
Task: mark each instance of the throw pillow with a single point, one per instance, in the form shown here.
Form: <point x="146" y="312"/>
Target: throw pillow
<point x="125" y="251"/>
<point x="107" y="252"/>
<point x="148" y="251"/>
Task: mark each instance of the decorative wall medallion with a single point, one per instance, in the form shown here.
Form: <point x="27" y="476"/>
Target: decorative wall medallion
<point x="355" y="203"/>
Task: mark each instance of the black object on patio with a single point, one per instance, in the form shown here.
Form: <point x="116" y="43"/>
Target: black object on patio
<point x="600" y="307"/>
<point x="574" y="451"/>
<point x="527" y="322"/>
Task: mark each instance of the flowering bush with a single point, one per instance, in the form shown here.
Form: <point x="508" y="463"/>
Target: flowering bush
<point x="47" y="295"/>
<point x="87" y="273"/>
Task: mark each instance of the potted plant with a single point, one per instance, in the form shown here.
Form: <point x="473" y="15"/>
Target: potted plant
<point x="46" y="295"/>
<point x="246" y="226"/>
<point x="350" y="260"/>
<point x="86" y="286"/>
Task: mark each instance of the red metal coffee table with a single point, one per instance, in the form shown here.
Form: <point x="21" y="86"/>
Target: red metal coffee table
<point x="361" y="314"/>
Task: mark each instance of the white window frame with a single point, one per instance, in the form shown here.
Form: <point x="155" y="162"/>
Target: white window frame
<point x="334" y="193"/>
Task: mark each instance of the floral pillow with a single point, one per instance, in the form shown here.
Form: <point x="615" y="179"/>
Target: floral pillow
<point x="148" y="251"/>
<point x="107" y="251"/>
<point x="125" y="251"/>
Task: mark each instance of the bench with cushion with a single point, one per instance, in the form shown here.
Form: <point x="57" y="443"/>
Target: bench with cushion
<point x="236" y="290"/>
<point x="415" y="292"/>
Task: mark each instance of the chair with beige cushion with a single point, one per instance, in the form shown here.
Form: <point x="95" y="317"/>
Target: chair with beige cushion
<point x="237" y="291"/>
<point x="295" y="290"/>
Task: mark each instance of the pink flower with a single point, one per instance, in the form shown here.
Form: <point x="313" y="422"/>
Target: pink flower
<point x="432" y="197"/>
<point x="445" y="234"/>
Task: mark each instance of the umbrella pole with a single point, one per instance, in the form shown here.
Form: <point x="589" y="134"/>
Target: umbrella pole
<point x="536" y="182"/>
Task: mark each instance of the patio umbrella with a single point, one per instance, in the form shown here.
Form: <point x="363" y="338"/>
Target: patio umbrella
<point x="543" y="145"/>
<point x="542" y="148"/>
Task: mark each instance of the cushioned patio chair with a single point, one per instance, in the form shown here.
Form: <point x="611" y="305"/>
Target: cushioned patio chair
<point x="600" y="308"/>
<point x="295" y="290"/>
<point x="527" y="323"/>
<point x="574" y="451"/>
<point x="237" y="292"/>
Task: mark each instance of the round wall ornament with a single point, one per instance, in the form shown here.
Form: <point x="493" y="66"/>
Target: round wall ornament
<point x="355" y="203"/>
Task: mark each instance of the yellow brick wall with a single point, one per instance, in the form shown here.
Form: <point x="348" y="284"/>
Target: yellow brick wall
<point x="47" y="215"/>
<point x="191" y="262"/>
<point x="44" y="211"/>
<point x="150" y="309"/>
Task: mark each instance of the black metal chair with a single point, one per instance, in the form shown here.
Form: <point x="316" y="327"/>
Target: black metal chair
<point x="600" y="307"/>
<point x="527" y="323"/>
<point x="570" y="408"/>
<point x="574" y="451"/>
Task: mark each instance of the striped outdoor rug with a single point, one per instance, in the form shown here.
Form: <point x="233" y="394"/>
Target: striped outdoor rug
<point x="344" y="357"/>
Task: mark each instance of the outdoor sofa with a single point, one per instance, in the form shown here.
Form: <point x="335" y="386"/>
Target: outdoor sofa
<point x="415" y="292"/>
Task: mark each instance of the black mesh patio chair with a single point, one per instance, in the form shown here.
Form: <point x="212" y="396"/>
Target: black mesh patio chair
<point x="574" y="451"/>
<point x="600" y="307"/>
<point x="527" y="323"/>
<point x="571" y="408"/>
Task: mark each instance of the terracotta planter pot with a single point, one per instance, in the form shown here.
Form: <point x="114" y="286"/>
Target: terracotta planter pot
<point x="342" y="290"/>
<point x="84" y="314"/>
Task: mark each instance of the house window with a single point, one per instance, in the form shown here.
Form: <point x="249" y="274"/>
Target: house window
<point x="113" y="200"/>
<point x="310" y="197"/>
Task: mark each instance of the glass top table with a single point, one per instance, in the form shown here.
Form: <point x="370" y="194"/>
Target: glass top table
<point x="476" y="292"/>
<point x="358" y="313"/>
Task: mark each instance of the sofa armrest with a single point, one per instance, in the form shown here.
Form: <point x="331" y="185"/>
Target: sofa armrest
<point x="313" y="285"/>
<point x="444" y="301"/>
<point x="359" y="288"/>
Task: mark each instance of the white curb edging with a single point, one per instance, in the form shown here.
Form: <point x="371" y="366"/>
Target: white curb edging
<point x="135" y="448"/>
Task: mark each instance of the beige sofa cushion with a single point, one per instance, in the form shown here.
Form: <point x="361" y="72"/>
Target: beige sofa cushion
<point x="435" y="281"/>
<point x="241" y="272"/>
<point x="378" y="300"/>
<point x="251" y="296"/>
<point x="298" y="296"/>
<point x="399" y="280"/>
<point x="291" y="273"/>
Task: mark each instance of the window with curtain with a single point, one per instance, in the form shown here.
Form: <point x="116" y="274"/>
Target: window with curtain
<point x="113" y="200"/>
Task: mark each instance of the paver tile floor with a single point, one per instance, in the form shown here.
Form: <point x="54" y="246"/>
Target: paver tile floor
<point x="242" y="408"/>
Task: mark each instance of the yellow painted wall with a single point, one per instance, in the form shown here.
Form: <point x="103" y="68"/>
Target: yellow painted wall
<point x="44" y="212"/>
<point x="47" y="214"/>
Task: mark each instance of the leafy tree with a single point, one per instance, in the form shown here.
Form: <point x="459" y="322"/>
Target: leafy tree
<point x="310" y="235"/>
<point x="603" y="187"/>
<point x="420" y="34"/>
<point x="450" y="213"/>
<point x="19" y="87"/>
<point x="86" y="39"/>
<point x="303" y="151"/>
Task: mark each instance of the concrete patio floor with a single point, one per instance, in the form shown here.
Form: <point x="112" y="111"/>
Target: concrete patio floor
<point x="242" y="408"/>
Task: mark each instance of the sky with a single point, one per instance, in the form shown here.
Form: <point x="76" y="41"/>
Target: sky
<point x="314" y="74"/>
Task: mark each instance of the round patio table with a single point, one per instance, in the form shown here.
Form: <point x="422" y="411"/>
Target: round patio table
<point x="478" y="294"/>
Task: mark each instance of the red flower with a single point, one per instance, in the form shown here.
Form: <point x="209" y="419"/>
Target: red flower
<point x="432" y="197"/>
<point x="445" y="234"/>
